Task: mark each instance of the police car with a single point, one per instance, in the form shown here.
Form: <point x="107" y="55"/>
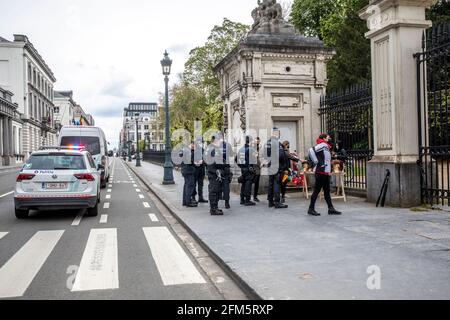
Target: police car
<point x="57" y="178"/>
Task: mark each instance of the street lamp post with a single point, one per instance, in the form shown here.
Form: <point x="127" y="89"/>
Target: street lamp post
<point x="166" y="64"/>
<point x="138" y="151"/>
<point x="129" y="150"/>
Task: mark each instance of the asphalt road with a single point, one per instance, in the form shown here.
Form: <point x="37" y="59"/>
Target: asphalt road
<point x="127" y="252"/>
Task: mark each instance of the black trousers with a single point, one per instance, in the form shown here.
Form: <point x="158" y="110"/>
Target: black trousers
<point x="218" y="189"/>
<point x="246" y="187"/>
<point x="256" y="190"/>
<point x="188" y="189"/>
<point x="274" y="189"/>
<point x="200" y="174"/>
<point x="323" y="182"/>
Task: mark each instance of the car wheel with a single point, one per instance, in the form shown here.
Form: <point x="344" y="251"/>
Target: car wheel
<point x="21" y="214"/>
<point x="93" y="212"/>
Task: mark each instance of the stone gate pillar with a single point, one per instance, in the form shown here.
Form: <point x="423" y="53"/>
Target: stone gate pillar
<point x="396" y="29"/>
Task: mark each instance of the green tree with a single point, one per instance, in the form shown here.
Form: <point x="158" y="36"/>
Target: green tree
<point x="337" y="23"/>
<point x="199" y="67"/>
<point x="196" y="96"/>
<point x="440" y="12"/>
<point x="307" y="15"/>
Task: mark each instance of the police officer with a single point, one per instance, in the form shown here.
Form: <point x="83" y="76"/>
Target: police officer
<point x="274" y="151"/>
<point x="247" y="162"/>
<point x="188" y="172"/>
<point x="200" y="171"/>
<point x="257" y="146"/>
<point x="219" y="175"/>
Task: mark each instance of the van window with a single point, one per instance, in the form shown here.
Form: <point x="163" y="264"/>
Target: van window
<point x="91" y="144"/>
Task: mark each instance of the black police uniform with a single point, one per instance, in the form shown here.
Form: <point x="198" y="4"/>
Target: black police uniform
<point x="200" y="173"/>
<point x="188" y="172"/>
<point x="219" y="176"/>
<point x="274" y="194"/>
<point x="247" y="163"/>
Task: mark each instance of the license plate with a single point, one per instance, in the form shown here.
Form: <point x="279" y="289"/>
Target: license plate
<point x="55" y="186"/>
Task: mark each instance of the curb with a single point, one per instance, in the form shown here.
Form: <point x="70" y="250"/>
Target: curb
<point x="249" y="291"/>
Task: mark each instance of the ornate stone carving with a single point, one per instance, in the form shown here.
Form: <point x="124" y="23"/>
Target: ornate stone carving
<point x="267" y="14"/>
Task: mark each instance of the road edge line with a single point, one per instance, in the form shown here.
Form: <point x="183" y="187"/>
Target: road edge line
<point x="242" y="284"/>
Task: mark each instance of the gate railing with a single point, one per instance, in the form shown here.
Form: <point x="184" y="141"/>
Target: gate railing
<point x="433" y="95"/>
<point x="347" y="115"/>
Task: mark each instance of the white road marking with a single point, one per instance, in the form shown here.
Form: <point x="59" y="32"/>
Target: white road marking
<point x="108" y="196"/>
<point x="138" y="190"/>
<point x="6" y="194"/>
<point x="110" y="186"/>
<point x="135" y="185"/>
<point x="141" y="196"/>
<point x="3" y="234"/>
<point x="153" y="217"/>
<point x="99" y="265"/>
<point x="109" y="191"/>
<point x="17" y="274"/>
<point x="104" y="218"/>
<point x="106" y="205"/>
<point x="78" y="219"/>
<point x="173" y="264"/>
<point x="146" y="204"/>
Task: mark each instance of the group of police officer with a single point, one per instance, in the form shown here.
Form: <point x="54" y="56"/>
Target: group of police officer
<point x="215" y="162"/>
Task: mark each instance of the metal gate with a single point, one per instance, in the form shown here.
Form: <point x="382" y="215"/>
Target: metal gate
<point x="347" y="116"/>
<point x="433" y="93"/>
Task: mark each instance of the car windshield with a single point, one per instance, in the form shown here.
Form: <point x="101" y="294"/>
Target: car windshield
<point x="91" y="144"/>
<point x="55" y="162"/>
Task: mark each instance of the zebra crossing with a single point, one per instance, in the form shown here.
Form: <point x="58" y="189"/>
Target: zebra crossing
<point x="99" y="264"/>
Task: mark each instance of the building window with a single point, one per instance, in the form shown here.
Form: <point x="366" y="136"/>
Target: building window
<point x="35" y="107"/>
<point x="146" y="127"/>
<point x="56" y="109"/>
<point x="30" y="80"/>
<point x="30" y="104"/>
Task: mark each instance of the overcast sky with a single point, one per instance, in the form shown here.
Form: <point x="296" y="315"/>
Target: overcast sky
<point x="108" y="51"/>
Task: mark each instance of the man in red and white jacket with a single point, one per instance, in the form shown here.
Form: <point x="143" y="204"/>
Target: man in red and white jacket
<point x="321" y="156"/>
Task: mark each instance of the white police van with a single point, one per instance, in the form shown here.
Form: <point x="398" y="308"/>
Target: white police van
<point x="57" y="178"/>
<point x="93" y="140"/>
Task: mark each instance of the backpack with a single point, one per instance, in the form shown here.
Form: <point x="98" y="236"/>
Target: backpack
<point x="311" y="163"/>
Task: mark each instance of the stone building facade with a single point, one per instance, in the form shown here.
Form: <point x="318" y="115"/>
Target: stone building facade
<point x="64" y="108"/>
<point x="11" y="152"/>
<point x="151" y="129"/>
<point x="274" y="77"/>
<point x="24" y="73"/>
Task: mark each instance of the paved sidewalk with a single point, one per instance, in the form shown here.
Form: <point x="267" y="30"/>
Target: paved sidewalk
<point x="289" y="255"/>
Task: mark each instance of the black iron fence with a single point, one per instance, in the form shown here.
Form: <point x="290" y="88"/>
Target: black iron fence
<point x="347" y="116"/>
<point x="433" y="93"/>
<point x="154" y="156"/>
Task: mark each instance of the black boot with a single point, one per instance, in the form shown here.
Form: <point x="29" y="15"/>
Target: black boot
<point x="334" y="212"/>
<point x="242" y="201"/>
<point x="201" y="200"/>
<point x="192" y="205"/>
<point x="281" y="206"/>
<point x="255" y="199"/>
<point x="313" y="212"/>
<point x="250" y="204"/>
<point x="227" y="205"/>
<point x="271" y="205"/>
<point x="216" y="212"/>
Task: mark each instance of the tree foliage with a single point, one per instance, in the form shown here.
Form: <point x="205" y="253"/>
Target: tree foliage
<point x="440" y="12"/>
<point x="197" y="94"/>
<point x="337" y="23"/>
